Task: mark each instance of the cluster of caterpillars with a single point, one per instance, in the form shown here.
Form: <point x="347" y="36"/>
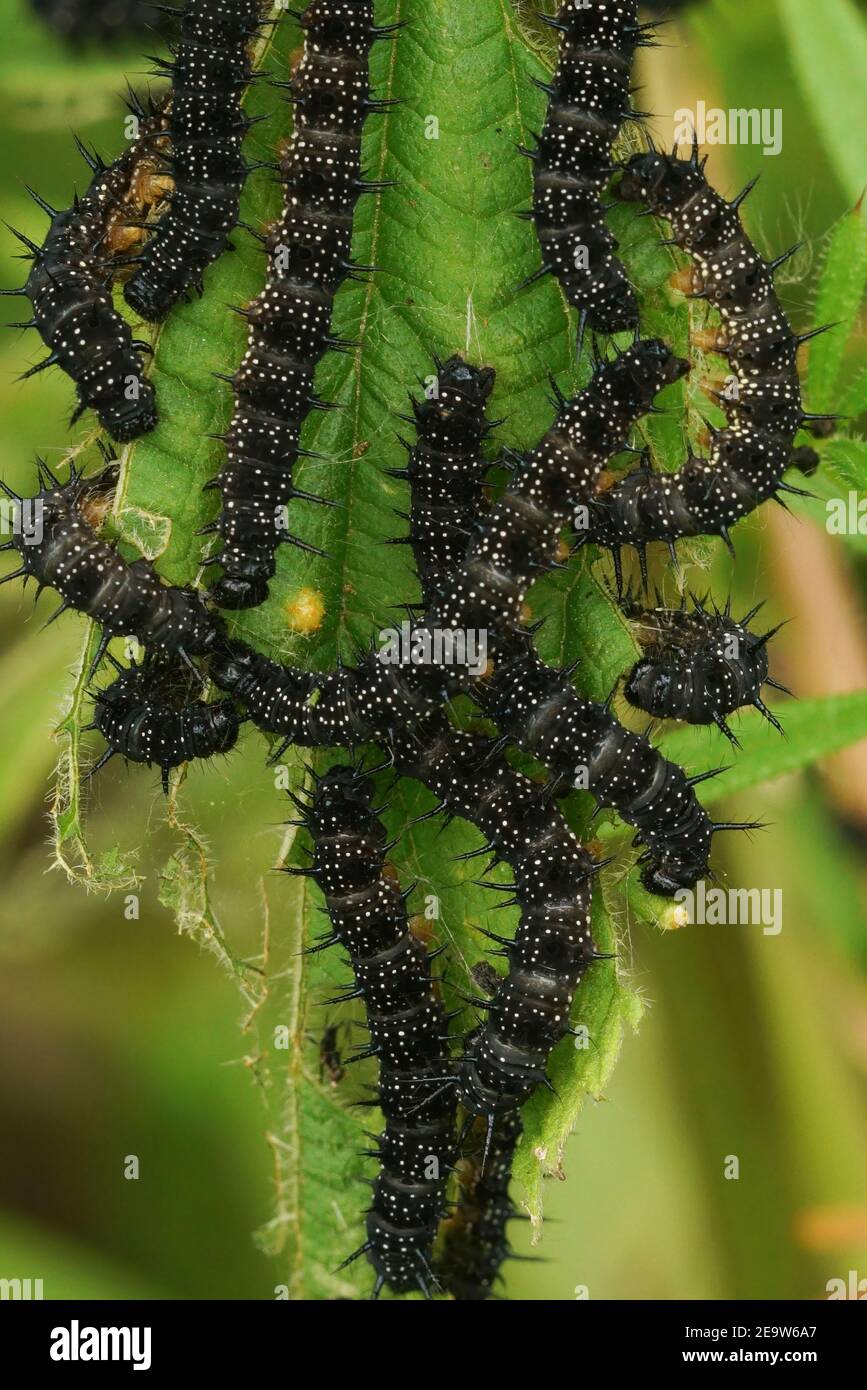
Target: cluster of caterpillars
<point x="448" y="1102"/>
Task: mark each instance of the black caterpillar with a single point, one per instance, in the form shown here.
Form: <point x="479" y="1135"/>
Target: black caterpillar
<point x="91" y="577"/>
<point x="471" y="779"/>
<point x="408" y="1029"/>
<point x="507" y="1058"/>
<point x="446" y="470"/>
<point x="377" y="701"/>
<point x="588" y="100"/>
<point x="537" y="708"/>
<point x="584" y="746"/>
<point x="748" y="458"/>
<point x="290" y="321"/>
<point x="149" y="715"/>
<point x="533" y="705"/>
<point x="517" y="540"/>
<point x="209" y="72"/>
<point x="699" y="665"/>
<point x="475" y="1244"/>
<point x="69" y="288"/>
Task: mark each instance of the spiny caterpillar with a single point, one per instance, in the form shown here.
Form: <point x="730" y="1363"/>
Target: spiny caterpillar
<point x="475" y="563"/>
<point x="69" y="288"/>
<point x="149" y="714"/>
<point x="588" y="99"/>
<point x="699" y="665"/>
<point x="290" y="321"/>
<point x="505" y="1060"/>
<point x="583" y="745"/>
<point x="445" y="469"/>
<point x="748" y="458"/>
<point x="408" y="1028"/>
<point x="475" y="1244"/>
<point x="209" y="72"/>
<point x="518" y="538"/>
<point x="92" y="577"/>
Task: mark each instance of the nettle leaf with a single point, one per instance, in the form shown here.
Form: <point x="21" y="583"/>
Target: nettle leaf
<point x="451" y="253"/>
<point x="838" y="302"/>
<point x="828" y="46"/>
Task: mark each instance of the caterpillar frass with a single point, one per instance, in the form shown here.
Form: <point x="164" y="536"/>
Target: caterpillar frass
<point x="209" y="72"/>
<point x="446" y="470"/>
<point x="699" y="665"/>
<point x="748" y="458"/>
<point x="588" y="99"/>
<point x="408" y="1029"/>
<point x="475" y="1244"/>
<point x="148" y="714"/>
<point x="63" y="552"/>
<point x="290" y="321"/>
<point x="69" y="288"/>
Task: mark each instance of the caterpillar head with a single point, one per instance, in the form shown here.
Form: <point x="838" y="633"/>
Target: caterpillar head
<point x="662" y="180"/>
<point x="643" y="370"/>
<point x="667" y="877"/>
<point x="235" y="666"/>
<point x="127" y="419"/>
<point x="473" y="383"/>
<point x="235" y="593"/>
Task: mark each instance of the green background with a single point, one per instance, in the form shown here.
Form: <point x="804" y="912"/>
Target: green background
<point x="129" y="1037"/>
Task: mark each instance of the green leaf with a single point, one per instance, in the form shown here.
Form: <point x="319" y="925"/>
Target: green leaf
<point x="853" y="397"/>
<point x="841" y="291"/>
<point x="451" y="255"/>
<point x="828" y="44"/>
<point x="813" y="729"/>
<point x="837" y="502"/>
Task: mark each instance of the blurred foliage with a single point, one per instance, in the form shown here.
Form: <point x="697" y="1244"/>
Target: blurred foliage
<point x="125" y="1041"/>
